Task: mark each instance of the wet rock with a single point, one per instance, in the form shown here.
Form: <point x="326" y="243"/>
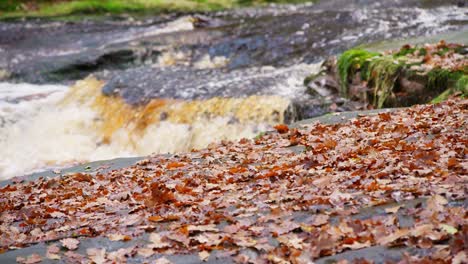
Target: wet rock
<point x="324" y="83"/>
<point x="138" y="85"/>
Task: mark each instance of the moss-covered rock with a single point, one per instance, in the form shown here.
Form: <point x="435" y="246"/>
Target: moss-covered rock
<point x="410" y="75"/>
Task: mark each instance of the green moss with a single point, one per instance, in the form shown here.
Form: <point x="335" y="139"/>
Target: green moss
<point x="442" y="97"/>
<point x="422" y="52"/>
<point x="462" y="50"/>
<point x="9" y="6"/>
<point x="442" y="51"/>
<point x="438" y="79"/>
<point x="259" y="136"/>
<point x="382" y="75"/>
<point x="462" y="85"/>
<point x="349" y="63"/>
<point x="404" y="51"/>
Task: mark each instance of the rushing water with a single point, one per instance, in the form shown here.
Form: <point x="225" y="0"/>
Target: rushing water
<point x="49" y="126"/>
<point x="171" y="84"/>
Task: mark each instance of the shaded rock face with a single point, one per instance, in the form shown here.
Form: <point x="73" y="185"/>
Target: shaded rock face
<point x="403" y="77"/>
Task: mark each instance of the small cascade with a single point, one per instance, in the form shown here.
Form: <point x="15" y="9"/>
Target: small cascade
<point x="85" y="125"/>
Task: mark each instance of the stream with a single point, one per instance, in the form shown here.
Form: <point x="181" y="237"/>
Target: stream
<point x="83" y="90"/>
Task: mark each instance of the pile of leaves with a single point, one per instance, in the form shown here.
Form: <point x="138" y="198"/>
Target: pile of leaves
<point x="291" y="196"/>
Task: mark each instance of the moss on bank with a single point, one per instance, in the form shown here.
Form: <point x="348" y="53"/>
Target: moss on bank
<point x="54" y="8"/>
<point x="461" y="87"/>
<point x="350" y="62"/>
<point x="440" y="68"/>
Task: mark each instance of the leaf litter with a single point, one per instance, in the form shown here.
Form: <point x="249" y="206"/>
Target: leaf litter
<point x="260" y="195"/>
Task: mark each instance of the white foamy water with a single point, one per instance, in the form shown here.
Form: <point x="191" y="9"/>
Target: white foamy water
<point x="50" y="126"/>
<point x="18" y="101"/>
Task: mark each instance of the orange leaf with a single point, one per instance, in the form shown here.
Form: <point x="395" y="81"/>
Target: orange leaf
<point x="282" y="128"/>
<point x="155" y="218"/>
<point x="174" y="165"/>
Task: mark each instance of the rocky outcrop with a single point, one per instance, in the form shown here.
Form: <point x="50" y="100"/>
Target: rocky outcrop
<point x="403" y="77"/>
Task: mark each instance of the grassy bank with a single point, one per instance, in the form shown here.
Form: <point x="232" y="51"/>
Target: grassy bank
<point x="57" y="8"/>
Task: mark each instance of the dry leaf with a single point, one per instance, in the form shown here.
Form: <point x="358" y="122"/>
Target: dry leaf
<point x="203" y="228"/>
<point x="97" y="255"/>
<point x="52" y="252"/>
<point x="449" y="229"/>
<point x="392" y="210"/>
<point x="119" y="237"/>
<point x="357" y="245"/>
<point x="145" y="252"/>
<point x="34" y="258"/>
<point x="392" y="237"/>
<point x="204" y="255"/>
<point x="70" y="243"/>
<point x="460" y="258"/>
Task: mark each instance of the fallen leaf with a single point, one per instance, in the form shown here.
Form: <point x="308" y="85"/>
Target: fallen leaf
<point x="338" y="197"/>
<point x="120" y="256"/>
<point x="449" y="229"/>
<point x="282" y="128"/>
<point x="392" y="237"/>
<point x="57" y="215"/>
<point x="392" y="210"/>
<point x="204" y="255"/>
<point x="291" y="240"/>
<point x="52" y="252"/>
<point x="357" y="245"/>
<point x="436" y="203"/>
<point x="320" y="219"/>
<point x="203" y="228"/>
<point x="97" y="255"/>
<point x="460" y="258"/>
<point x="157" y="242"/>
<point x="74" y="257"/>
<point x="70" y="243"/>
<point x="145" y="252"/>
<point x="119" y="237"/>
<point x="34" y="258"/>
<point x="131" y="219"/>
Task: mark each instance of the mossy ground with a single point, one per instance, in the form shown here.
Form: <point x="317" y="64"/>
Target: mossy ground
<point x="57" y="8"/>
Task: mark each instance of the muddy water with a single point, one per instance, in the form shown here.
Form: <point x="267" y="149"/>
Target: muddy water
<point x="172" y="83"/>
